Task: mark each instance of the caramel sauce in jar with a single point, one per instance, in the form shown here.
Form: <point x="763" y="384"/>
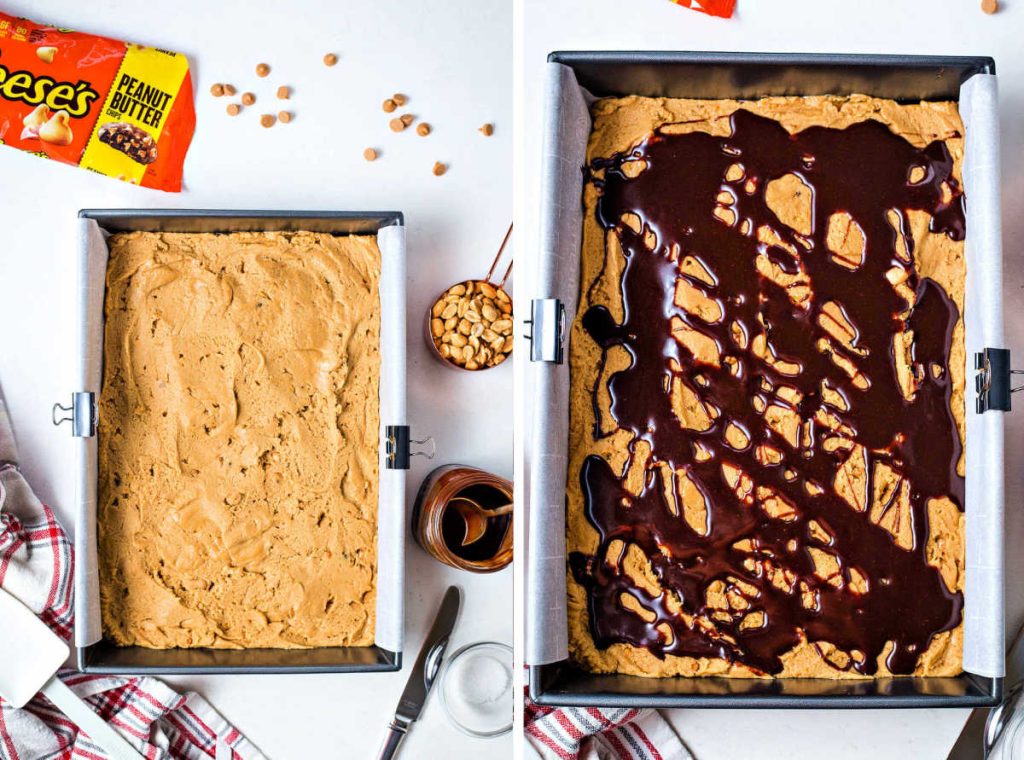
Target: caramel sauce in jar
<point x="440" y="529"/>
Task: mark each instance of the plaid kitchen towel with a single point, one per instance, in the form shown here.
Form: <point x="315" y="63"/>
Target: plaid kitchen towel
<point x="36" y="565"/>
<point x="591" y="733"/>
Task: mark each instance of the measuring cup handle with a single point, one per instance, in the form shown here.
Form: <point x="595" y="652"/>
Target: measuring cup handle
<point x="494" y="264"/>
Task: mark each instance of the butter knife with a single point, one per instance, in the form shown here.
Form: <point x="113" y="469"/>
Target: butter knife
<point x="428" y="663"/>
<point x="975" y="740"/>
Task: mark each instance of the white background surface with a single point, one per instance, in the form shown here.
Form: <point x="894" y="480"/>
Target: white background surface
<point x="453" y="58"/>
<point x="879" y="26"/>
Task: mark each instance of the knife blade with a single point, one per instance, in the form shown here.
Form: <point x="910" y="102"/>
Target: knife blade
<point x="424" y="672"/>
<point x="971" y="744"/>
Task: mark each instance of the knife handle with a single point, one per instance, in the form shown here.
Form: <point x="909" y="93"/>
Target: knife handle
<point x="393" y="740"/>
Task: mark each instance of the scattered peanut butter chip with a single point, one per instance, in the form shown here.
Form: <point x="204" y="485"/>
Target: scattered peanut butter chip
<point x="217" y="90"/>
<point x="267" y="120"/>
<point x="248" y="98"/>
<point x="400" y="99"/>
<point x="46" y="54"/>
<point x="330" y="59"/>
<point x="990" y="6"/>
<point x="262" y="69"/>
<point x="284" y="92"/>
<point x="397" y="125"/>
<point x="486" y="130"/>
<point x="234" y="109"/>
<point x="229" y="89"/>
<point x="370" y="154"/>
<point x="423" y="129"/>
<point x="389" y="105"/>
<point x="407" y="118"/>
<point x="284" y="116"/>
<point x="439" y="169"/>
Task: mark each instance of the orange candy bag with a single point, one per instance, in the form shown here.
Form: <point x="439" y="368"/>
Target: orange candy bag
<point x="720" y="8"/>
<point x="111" y="107"/>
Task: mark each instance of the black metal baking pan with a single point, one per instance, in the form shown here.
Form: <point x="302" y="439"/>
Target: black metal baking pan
<point x="106" y="657"/>
<point x="744" y="76"/>
<point x="756" y="75"/>
<point x="563" y="683"/>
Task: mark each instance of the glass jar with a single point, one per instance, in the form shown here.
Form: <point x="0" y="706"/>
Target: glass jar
<point x="440" y="529"/>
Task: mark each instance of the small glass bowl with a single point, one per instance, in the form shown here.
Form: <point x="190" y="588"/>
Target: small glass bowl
<point x="457" y="707"/>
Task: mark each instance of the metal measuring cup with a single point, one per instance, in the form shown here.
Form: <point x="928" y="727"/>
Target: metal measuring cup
<point x="473" y="339"/>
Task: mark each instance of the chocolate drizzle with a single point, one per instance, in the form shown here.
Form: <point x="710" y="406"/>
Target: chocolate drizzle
<point x="772" y="511"/>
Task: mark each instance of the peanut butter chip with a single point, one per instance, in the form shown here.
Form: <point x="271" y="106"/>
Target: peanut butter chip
<point x="990" y="6"/>
<point x="397" y="125"/>
<point x="407" y="118"/>
<point x="284" y="92"/>
<point x="370" y="154"/>
<point x="330" y="59"/>
<point x="248" y="98"/>
<point x="389" y="105"/>
<point x="234" y="109"/>
<point x="267" y="120"/>
<point x="486" y="130"/>
<point x="284" y="116"/>
<point x="400" y="99"/>
<point x="439" y="169"/>
<point x="217" y="90"/>
<point x="262" y="69"/>
<point x="229" y="89"/>
<point x="423" y="129"/>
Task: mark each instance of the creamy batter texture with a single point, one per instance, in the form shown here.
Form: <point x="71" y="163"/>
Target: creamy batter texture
<point x="238" y="431"/>
<point x="817" y="564"/>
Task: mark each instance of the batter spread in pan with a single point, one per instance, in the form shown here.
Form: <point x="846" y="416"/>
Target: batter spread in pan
<point x="238" y="430"/>
<point x="767" y="374"/>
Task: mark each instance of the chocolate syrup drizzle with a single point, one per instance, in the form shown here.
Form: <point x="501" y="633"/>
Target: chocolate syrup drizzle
<point x="863" y="170"/>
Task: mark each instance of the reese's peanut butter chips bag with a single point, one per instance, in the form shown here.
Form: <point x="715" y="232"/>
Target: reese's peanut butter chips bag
<point x="720" y="8"/>
<point x="108" y="106"/>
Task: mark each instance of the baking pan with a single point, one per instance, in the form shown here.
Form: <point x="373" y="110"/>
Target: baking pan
<point x="575" y="80"/>
<point x="98" y="655"/>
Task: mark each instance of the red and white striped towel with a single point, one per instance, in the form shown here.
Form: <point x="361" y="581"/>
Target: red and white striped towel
<point x="36" y="565"/>
<point x="591" y="733"/>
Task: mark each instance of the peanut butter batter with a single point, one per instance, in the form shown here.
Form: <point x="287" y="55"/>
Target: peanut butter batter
<point x="729" y="604"/>
<point x="238" y="430"/>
